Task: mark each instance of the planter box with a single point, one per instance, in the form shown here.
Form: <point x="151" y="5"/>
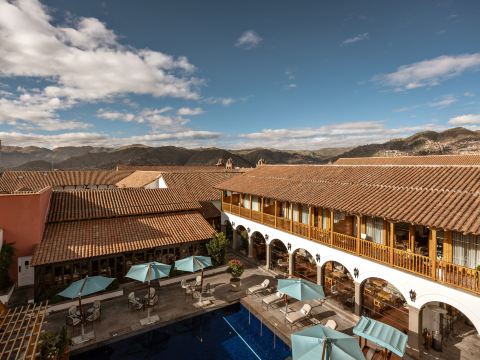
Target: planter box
<point x="87" y="300"/>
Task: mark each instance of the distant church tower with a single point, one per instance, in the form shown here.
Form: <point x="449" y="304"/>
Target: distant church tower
<point x="219" y="162"/>
<point x="229" y="164"/>
<point x="261" y="162"/>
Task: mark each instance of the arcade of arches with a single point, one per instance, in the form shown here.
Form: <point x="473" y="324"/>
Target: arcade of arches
<point x="338" y="284"/>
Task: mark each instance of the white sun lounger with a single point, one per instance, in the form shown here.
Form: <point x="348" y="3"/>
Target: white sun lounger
<point x="272" y="299"/>
<point x="332" y="324"/>
<point x="296" y="316"/>
<point x="258" y="288"/>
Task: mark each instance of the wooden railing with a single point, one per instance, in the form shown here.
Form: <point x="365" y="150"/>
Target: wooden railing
<point x="371" y="250"/>
<point x="269" y="220"/>
<point x="257" y="216"/>
<point x="300" y="229"/>
<point x="412" y="262"/>
<point x="320" y="235"/>
<point x="446" y="273"/>
<point x="458" y="276"/>
<point x="344" y="242"/>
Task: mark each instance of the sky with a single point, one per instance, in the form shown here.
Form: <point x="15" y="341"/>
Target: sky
<point x="299" y="75"/>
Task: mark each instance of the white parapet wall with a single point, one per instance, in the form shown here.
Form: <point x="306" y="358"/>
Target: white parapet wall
<point x="426" y="290"/>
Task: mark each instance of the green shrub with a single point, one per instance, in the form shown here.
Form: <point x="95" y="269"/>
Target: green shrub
<point x="217" y="249"/>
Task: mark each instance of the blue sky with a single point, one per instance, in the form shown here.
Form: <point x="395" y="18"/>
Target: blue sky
<point x="236" y="74"/>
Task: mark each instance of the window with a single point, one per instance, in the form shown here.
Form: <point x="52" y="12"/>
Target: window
<point x="374" y="229"/>
<point x="246" y="201"/>
<point x="255" y="203"/>
<point x="466" y="250"/>
<point x="305" y="214"/>
<point x="324" y="219"/>
<point x="295" y="213"/>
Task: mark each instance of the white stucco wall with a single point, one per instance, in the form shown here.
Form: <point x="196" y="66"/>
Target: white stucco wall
<point x="426" y="290"/>
<point x="161" y="183"/>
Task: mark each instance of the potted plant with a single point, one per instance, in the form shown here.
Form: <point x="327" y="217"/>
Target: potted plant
<point x="235" y="268"/>
<point x="55" y="345"/>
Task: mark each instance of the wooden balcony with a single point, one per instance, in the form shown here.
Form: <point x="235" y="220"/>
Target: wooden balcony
<point x="433" y="269"/>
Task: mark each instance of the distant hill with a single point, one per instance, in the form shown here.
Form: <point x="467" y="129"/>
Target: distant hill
<point x="35" y="158"/>
<point x="452" y="141"/>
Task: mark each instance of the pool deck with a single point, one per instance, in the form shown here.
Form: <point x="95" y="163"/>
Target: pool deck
<point x="118" y="321"/>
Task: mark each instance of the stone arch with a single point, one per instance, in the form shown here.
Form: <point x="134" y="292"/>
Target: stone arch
<point x="470" y="312"/>
<point x="259" y="247"/>
<point x="381" y="300"/>
<point x="279" y="257"/>
<point x="242" y="239"/>
<point x="338" y="283"/>
<point x="304" y="265"/>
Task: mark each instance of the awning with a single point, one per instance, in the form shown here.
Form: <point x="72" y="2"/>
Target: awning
<point x="382" y="334"/>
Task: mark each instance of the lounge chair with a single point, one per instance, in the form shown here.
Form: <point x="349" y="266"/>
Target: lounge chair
<point x="272" y="299"/>
<point x="258" y="288"/>
<point x="95" y="306"/>
<point x="332" y="324"/>
<point x="207" y="290"/>
<point x="294" y="317"/>
<point x="95" y="315"/>
<point x="134" y="302"/>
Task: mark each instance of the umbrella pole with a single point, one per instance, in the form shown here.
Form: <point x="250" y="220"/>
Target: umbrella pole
<point x="81" y="315"/>
<point x="324" y="347"/>
<point x="201" y="280"/>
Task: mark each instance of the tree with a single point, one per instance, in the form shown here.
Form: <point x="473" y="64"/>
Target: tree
<point x="217" y="248"/>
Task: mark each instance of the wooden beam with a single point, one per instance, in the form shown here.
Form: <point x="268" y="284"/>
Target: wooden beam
<point x="432" y="252"/>
<point x="291" y="217"/>
<point x="359" y="231"/>
<point x="261" y="209"/>
<point x="411" y="237"/>
<point x="331" y="224"/>
<point x="391" y="240"/>
<point x="385" y="231"/>
<point x="250" y="206"/>
<point x="276" y="212"/>
<point x="310" y="223"/>
<point x="447" y="247"/>
<point x="320" y="218"/>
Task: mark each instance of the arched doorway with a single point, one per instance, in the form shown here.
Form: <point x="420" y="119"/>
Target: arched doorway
<point x="279" y="257"/>
<point x="382" y="301"/>
<point x="338" y="284"/>
<point x="242" y="240"/>
<point x="447" y="331"/>
<point x="304" y="265"/>
<point x="259" y="248"/>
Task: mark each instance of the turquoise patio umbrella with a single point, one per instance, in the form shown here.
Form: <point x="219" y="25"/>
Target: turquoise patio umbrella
<point x="308" y="344"/>
<point x="300" y="289"/>
<point x="86" y="286"/>
<point x="148" y="272"/>
<point x="193" y="264"/>
<point x="382" y="334"/>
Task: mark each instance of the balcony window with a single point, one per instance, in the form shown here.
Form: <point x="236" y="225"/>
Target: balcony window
<point x="324" y="219"/>
<point x="246" y="202"/>
<point x="305" y="215"/>
<point x="295" y="213"/>
<point x="285" y="210"/>
<point x="255" y="203"/>
<point x="374" y="229"/>
<point x="466" y="250"/>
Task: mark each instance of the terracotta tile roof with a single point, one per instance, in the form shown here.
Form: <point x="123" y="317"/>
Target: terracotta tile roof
<point x="139" y="178"/>
<point x="181" y="168"/>
<point x="209" y="210"/>
<point x="74" y="240"/>
<point x="445" y="197"/>
<point x="200" y="185"/>
<point x="11" y="181"/>
<point x="467" y="159"/>
<point x="91" y="204"/>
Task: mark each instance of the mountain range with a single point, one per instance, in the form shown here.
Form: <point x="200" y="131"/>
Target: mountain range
<point x="451" y="141"/>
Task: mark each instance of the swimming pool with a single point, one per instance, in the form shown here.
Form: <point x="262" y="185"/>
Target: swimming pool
<point x="227" y="334"/>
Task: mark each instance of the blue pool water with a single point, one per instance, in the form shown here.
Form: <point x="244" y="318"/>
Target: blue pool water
<point x="227" y="334"/>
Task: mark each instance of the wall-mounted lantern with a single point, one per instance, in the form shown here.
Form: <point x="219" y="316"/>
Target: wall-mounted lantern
<point x="266" y="237"/>
<point x="413" y="295"/>
<point x="356" y="273"/>
<point x="289" y="246"/>
<point x="317" y="257"/>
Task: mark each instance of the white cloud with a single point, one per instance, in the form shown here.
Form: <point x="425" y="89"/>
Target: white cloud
<point x="291" y="80"/>
<point x="186" y="111"/>
<point x="468" y="94"/>
<point x="225" y="101"/>
<point x="429" y="72"/>
<point x="248" y="40"/>
<point x="357" y="38"/>
<point x="467" y="119"/>
<point x="445" y="101"/>
<point x="341" y="134"/>
<point x="189" y="138"/>
<point x="85" y="61"/>
<point x="156" y="118"/>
